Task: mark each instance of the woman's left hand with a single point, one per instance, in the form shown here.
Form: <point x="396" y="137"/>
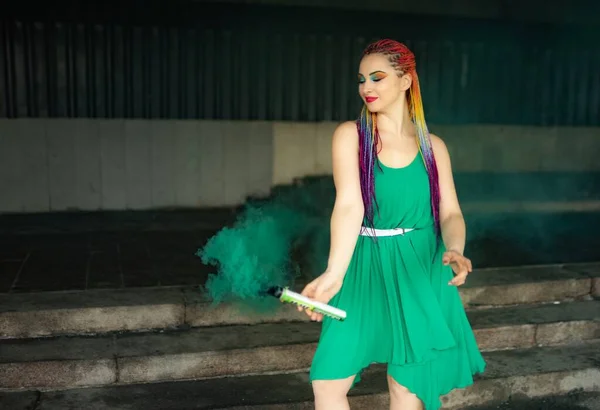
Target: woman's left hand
<point x="460" y="265"/>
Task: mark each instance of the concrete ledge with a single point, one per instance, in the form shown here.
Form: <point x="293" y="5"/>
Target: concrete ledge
<point x="200" y="312"/>
<point x="530" y="386"/>
<point x="505" y="337"/>
<point x="91" y="312"/>
<point x="590" y="269"/>
<point x="481" y="392"/>
<point x="484" y="288"/>
<point x="217" y="363"/>
<point x="526" y="373"/>
<point x="58" y="373"/>
<point x="239" y="350"/>
<point x="522" y="285"/>
<point x="52" y="313"/>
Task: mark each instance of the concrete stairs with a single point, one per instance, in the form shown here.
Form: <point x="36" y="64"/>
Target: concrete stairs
<point x="168" y="348"/>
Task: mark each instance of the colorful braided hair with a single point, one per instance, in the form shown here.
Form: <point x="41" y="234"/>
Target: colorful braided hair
<point x="403" y="60"/>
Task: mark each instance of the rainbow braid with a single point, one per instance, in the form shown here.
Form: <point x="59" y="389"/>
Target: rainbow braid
<point x="369" y="139"/>
<point x="403" y="60"/>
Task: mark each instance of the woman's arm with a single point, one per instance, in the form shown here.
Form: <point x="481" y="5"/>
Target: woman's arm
<point x="452" y="222"/>
<point x="348" y="210"/>
<point x="346" y="218"/>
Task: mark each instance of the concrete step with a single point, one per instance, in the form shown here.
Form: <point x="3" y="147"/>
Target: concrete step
<point x="575" y="400"/>
<point x="63" y="362"/>
<point x="523" y="373"/>
<point x="530" y="284"/>
<point x="99" y="311"/>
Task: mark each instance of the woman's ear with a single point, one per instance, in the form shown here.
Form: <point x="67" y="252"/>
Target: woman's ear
<point x="405" y="82"/>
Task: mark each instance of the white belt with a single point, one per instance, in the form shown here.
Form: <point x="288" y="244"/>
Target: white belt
<point x="364" y="231"/>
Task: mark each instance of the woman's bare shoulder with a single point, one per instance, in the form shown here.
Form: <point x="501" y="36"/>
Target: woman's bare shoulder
<point x="347" y="128"/>
<point x="440" y="150"/>
<point x="346" y="132"/>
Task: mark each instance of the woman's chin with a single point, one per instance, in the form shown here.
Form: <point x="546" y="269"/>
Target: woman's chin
<point x="373" y="107"/>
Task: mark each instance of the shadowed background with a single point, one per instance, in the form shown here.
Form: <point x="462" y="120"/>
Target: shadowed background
<point x="133" y="117"/>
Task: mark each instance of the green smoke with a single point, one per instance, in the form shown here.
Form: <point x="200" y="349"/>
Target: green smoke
<point x="261" y="249"/>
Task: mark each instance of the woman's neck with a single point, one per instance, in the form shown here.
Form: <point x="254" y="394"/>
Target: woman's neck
<point x="396" y="121"/>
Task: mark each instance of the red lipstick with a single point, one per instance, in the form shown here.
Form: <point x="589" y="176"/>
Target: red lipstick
<point x="370" y="99"/>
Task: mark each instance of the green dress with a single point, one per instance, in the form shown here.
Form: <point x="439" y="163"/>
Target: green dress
<point x="400" y="308"/>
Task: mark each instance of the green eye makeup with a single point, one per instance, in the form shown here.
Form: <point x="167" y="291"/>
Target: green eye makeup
<point x="374" y="76"/>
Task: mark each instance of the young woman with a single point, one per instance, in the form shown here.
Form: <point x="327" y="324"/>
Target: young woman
<point x="396" y="255"/>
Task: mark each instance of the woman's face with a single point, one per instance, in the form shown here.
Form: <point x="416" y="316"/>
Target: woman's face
<point x="379" y="85"/>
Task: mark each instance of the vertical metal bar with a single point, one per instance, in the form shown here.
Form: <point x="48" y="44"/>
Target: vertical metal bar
<point x="345" y="67"/>
<point x="276" y="73"/>
<point x="50" y="38"/>
<point x="430" y="67"/>
<point x="80" y="68"/>
<point x="593" y="102"/>
<point x="324" y="103"/>
<point x="70" y="50"/>
<point x="571" y="102"/>
<point x="30" y="109"/>
<point x="61" y="67"/>
<point x="9" y="70"/>
<point x="173" y="55"/>
<point x="583" y="86"/>
<point x="20" y="74"/>
<point x="139" y="72"/>
<point x="557" y="85"/>
<point x="546" y="91"/>
<point x="183" y="88"/>
<point x="40" y="64"/>
<point x="90" y="70"/>
<point x="245" y="69"/>
<point x="225" y="78"/>
<point x="154" y="86"/>
<point x="3" y="71"/>
<point x="118" y="81"/>
<point x="292" y="86"/>
<point x="109" y="72"/>
<point x="195" y="74"/>
<point x="310" y="80"/>
<point x="262" y="75"/>
<point x="209" y="80"/>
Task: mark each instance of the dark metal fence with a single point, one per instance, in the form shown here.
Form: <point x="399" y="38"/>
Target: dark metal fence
<point x="267" y="63"/>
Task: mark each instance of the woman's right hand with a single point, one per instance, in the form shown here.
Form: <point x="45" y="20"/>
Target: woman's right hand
<point x="322" y="289"/>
